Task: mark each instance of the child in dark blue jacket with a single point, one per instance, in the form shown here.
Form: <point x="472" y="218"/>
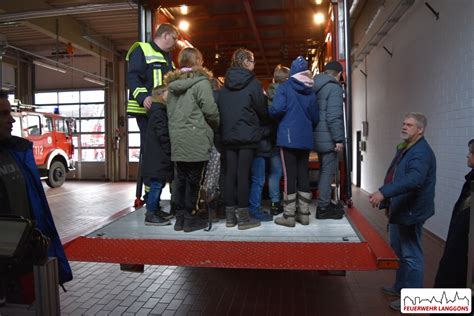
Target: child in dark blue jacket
<point x="157" y="168"/>
<point x="295" y="106"/>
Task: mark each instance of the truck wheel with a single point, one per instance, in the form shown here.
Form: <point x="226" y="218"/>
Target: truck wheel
<point x="56" y="174"/>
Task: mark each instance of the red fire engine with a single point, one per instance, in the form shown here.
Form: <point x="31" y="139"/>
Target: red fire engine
<point x="51" y="135"/>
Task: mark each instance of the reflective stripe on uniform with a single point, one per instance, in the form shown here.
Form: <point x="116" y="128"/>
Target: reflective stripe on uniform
<point x="151" y="56"/>
<point x="139" y="90"/>
<point x="134" y="107"/>
<point x="157" y="77"/>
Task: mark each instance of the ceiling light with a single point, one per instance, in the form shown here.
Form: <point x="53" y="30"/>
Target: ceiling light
<point x="184" y="25"/>
<point x="100" y="83"/>
<point x="49" y="66"/>
<point x="318" y="2"/>
<point x="184" y="9"/>
<point x="318" y="18"/>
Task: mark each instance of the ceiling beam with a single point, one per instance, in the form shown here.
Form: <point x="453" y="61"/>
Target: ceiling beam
<point x="278" y="39"/>
<point x="177" y="3"/>
<point x="45" y="13"/>
<point x="69" y="29"/>
<point x="242" y="14"/>
<point x="296" y="28"/>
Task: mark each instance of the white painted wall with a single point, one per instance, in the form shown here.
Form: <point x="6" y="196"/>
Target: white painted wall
<point x="431" y="71"/>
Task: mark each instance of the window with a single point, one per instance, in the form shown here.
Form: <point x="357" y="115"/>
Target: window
<point x="32" y="125"/>
<point x="87" y="109"/>
<point x="133" y="140"/>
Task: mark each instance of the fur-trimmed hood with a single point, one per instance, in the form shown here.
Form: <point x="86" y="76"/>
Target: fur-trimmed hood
<point x="179" y="81"/>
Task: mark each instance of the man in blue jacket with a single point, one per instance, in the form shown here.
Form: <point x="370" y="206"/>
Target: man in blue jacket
<point x="408" y="195"/>
<point x="21" y="191"/>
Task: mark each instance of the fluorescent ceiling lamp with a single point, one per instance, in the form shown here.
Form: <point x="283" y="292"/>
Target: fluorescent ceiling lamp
<point x="49" y="66"/>
<point x="318" y="2"/>
<point x="184" y="9"/>
<point x="100" y="83"/>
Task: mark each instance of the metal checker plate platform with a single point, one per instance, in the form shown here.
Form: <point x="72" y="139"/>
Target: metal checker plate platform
<point x="347" y="244"/>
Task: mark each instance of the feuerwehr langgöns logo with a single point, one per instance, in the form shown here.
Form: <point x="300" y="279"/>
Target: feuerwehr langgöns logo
<point x="435" y="301"/>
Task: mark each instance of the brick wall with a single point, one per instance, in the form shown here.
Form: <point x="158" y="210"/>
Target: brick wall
<point x="431" y="71"/>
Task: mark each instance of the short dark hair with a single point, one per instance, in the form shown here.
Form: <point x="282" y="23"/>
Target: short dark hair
<point x="471" y="146"/>
<point x="166" y="28"/>
<point x="3" y="94"/>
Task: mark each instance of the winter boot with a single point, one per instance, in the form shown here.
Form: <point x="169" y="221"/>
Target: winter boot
<point x="289" y="208"/>
<point x="230" y="218"/>
<point x="179" y="223"/>
<point x="261" y="215"/>
<point x="244" y="220"/>
<point x="193" y="223"/>
<point x="304" y="200"/>
<point x="277" y="209"/>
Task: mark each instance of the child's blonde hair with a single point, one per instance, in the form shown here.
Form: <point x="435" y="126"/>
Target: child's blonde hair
<point x="158" y="92"/>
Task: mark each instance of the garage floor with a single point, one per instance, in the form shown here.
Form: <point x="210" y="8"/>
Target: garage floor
<point x="102" y="289"/>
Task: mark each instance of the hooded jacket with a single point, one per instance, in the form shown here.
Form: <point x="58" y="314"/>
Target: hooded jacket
<point x="330" y="129"/>
<point x="295" y="106"/>
<point x="412" y="190"/>
<point x="157" y="163"/>
<point x="243" y="109"/>
<point x="192" y="114"/>
<point x="22" y="152"/>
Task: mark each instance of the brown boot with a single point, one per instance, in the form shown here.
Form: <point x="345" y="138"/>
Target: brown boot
<point x="304" y="200"/>
<point x="289" y="209"/>
<point x="244" y="220"/>
<point x="230" y="218"/>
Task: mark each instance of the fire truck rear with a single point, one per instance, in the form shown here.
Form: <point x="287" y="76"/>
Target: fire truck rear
<point x="51" y="135"/>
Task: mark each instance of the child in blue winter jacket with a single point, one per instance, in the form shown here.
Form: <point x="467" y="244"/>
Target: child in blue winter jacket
<point x="295" y="106"/>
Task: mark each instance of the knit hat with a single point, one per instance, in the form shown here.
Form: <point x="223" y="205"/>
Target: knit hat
<point x="298" y="65"/>
<point x="333" y="65"/>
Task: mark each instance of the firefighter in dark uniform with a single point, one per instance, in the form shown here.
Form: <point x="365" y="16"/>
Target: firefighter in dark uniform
<point x="148" y="63"/>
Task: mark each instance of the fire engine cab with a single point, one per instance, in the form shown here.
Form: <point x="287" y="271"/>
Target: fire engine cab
<point x="51" y="135"/>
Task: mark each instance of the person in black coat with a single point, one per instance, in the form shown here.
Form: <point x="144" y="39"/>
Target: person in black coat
<point x="242" y="108"/>
<point x="452" y="270"/>
<point x="157" y="168"/>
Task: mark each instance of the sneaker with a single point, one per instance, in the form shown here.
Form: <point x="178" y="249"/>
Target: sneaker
<point x="337" y="208"/>
<point x="388" y="290"/>
<point x="152" y="219"/>
<point x="164" y="215"/>
<point x="276" y="209"/>
<point x="328" y="213"/>
<point x="395" y="305"/>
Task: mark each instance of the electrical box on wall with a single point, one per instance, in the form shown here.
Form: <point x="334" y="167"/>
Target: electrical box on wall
<point x="365" y="128"/>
